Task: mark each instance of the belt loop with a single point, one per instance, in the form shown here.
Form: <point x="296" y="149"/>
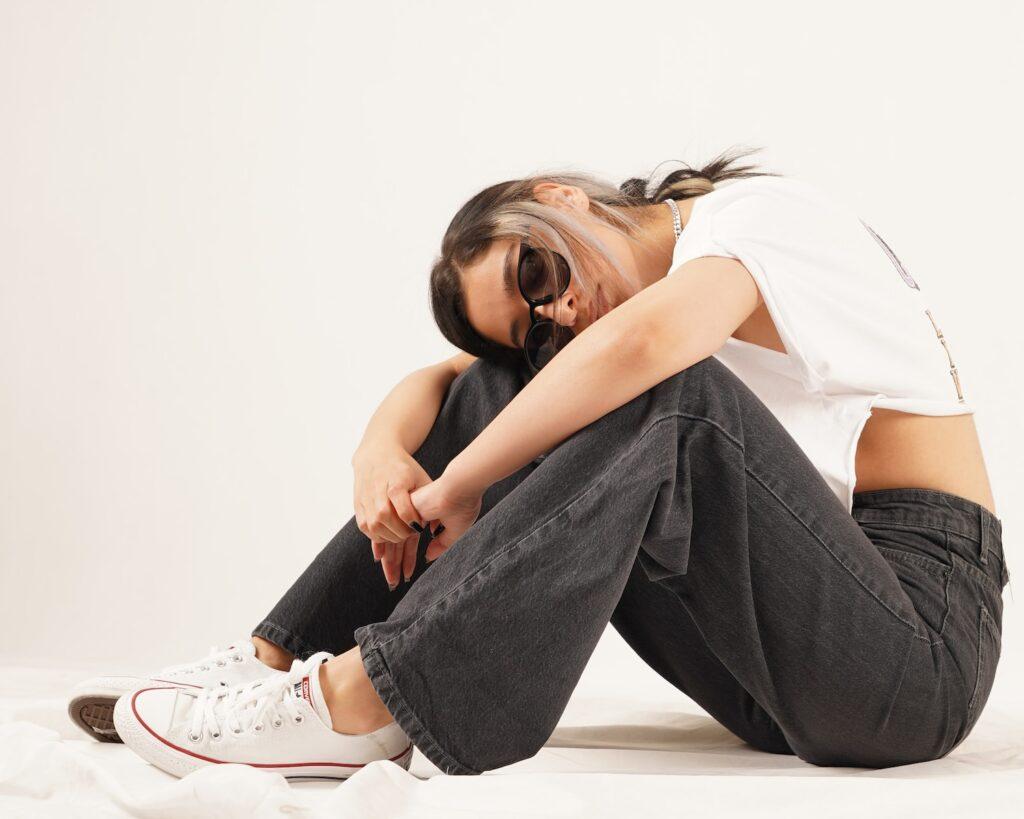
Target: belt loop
<point x="983" y="536"/>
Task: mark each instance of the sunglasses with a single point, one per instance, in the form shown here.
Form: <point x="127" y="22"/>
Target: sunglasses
<point x="540" y="284"/>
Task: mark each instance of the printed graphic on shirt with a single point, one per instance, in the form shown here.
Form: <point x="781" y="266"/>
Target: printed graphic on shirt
<point x="892" y="257"/>
<point x="949" y="357"/>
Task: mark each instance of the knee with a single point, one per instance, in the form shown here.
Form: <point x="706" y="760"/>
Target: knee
<point x="492" y="372"/>
<point x="708" y="371"/>
<point x="483" y="387"/>
<point x="709" y="391"/>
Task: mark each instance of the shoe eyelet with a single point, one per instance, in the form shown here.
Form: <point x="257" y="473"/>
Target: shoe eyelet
<point x="220" y="663"/>
<point x="297" y="719"/>
<point x="235" y="658"/>
<point x="236" y="731"/>
<point x="194" y="737"/>
<point x="257" y="727"/>
<point x="277" y="723"/>
<point x="215" y="736"/>
<point x="204" y="668"/>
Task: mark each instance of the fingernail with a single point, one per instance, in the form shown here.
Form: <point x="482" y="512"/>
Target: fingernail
<point x="416" y="526"/>
<point x="376" y="558"/>
<point x="392" y="586"/>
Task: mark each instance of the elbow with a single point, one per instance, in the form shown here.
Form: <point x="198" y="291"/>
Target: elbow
<point x="658" y="355"/>
<point x="632" y="348"/>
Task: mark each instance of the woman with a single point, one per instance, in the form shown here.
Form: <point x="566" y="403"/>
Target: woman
<point x="752" y="454"/>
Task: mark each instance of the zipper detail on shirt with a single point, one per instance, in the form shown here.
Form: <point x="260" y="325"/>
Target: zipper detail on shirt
<point x="952" y="367"/>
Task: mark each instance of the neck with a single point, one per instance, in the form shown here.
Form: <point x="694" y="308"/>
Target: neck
<point x="652" y="254"/>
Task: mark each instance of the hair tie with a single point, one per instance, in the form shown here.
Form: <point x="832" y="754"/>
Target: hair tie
<point x="699" y="184"/>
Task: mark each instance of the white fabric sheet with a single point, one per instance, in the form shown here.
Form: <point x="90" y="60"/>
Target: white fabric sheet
<point x="639" y="750"/>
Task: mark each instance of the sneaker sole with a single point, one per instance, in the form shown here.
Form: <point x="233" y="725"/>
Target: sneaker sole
<point x="92" y="707"/>
<point x="95" y="715"/>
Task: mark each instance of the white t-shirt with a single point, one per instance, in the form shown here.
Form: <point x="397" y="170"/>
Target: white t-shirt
<point x="855" y="325"/>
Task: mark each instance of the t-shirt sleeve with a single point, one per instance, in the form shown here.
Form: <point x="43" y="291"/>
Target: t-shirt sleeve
<point x="837" y="302"/>
<point x="765" y="230"/>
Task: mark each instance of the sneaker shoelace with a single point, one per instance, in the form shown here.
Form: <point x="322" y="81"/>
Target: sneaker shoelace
<point x="243" y="707"/>
<point x="217" y="656"/>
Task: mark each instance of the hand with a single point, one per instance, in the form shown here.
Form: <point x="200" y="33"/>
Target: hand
<point x="384" y="477"/>
<point x="451" y="507"/>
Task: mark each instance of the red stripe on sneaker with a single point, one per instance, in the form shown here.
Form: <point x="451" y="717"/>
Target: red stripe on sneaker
<point x="305" y="690"/>
<point x="185" y="751"/>
<point x="176" y="684"/>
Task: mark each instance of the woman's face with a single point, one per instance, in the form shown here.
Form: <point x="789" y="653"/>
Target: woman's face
<point x="494" y="305"/>
<point x="498" y="311"/>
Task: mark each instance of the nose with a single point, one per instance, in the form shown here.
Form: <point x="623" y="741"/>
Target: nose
<point x="565" y="307"/>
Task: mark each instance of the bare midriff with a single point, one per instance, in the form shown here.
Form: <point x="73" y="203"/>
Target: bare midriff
<point x="899" y="450"/>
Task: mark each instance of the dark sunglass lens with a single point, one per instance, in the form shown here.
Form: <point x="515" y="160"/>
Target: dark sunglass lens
<point x="535" y="276"/>
<point x="544" y="340"/>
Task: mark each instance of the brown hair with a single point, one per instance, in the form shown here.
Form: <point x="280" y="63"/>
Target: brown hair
<point x="508" y="210"/>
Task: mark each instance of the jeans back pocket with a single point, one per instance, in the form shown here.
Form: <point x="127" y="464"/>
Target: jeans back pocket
<point x="919" y="559"/>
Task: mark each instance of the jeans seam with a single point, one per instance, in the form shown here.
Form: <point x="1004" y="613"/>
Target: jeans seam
<point x="973" y="704"/>
<point x="945" y="587"/>
<point x="596" y="481"/>
<point x="935" y="568"/>
<point x="976" y="574"/>
<point x="298" y="641"/>
<point x="931" y="565"/>
<point x="899" y="525"/>
<point x="956" y="561"/>
<point x="880" y="601"/>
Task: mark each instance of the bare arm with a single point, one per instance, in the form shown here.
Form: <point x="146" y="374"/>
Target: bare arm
<point x="408" y="411"/>
<point x="660" y="331"/>
<point x="386" y="472"/>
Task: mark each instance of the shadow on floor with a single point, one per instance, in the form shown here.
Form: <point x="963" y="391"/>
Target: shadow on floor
<point x="692" y="744"/>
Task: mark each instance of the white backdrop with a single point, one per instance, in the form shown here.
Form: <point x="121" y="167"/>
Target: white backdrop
<point x="216" y="222"/>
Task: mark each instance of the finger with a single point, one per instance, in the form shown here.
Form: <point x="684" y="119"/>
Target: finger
<point x="361" y="519"/>
<point x="400" y="499"/>
<point x="399" y="560"/>
<point x="434" y="551"/>
<point x="390" y="564"/>
<point x="409" y="557"/>
<point x="378" y="550"/>
<point x="438" y="546"/>
<point x="381" y="531"/>
<point x="387" y="525"/>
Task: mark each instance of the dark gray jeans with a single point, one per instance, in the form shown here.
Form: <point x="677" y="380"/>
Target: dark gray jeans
<point x="693" y="522"/>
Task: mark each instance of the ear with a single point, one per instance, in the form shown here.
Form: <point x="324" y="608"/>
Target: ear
<point x="561" y="196"/>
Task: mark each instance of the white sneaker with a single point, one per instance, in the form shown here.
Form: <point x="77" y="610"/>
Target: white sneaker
<point x="91" y="706"/>
<point x="280" y="723"/>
